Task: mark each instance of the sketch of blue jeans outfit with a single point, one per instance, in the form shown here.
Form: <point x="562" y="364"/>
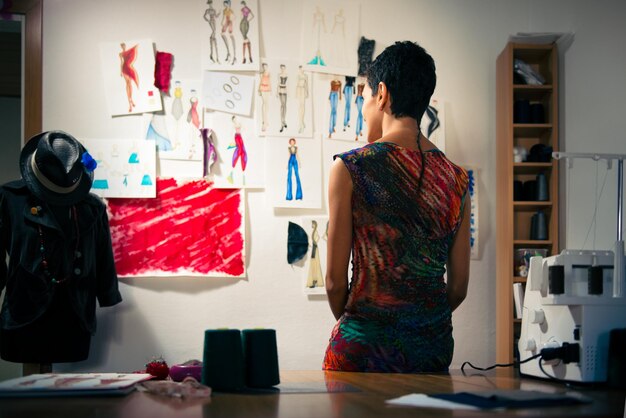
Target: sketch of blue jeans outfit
<point x="334" y="101"/>
<point x="348" y="91"/>
<point x="292" y="166"/>
<point x="359" y="118"/>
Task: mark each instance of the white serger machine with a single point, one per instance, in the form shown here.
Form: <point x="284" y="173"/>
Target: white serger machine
<point x="572" y="302"/>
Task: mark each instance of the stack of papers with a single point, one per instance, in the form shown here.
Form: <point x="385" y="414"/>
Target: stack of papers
<point x="492" y="399"/>
<point x="72" y="384"/>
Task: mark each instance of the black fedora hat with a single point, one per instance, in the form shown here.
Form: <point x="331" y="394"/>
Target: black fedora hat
<point x="57" y="168"/>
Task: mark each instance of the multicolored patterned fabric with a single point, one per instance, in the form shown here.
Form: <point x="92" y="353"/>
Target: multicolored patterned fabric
<point x="397" y="318"/>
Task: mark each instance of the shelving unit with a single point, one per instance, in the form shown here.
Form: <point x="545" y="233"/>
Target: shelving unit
<point x="514" y="217"/>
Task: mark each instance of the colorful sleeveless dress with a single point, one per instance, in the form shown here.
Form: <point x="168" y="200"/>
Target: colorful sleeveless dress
<point x="397" y="318"/>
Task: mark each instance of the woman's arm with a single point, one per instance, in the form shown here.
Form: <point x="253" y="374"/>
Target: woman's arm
<point x="339" y="236"/>
<point x="458" y="260"/>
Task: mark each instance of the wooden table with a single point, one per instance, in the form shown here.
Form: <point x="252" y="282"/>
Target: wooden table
<point x="369" y="401"/>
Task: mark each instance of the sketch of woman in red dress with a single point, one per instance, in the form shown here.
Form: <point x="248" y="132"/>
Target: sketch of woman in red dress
<point x="128" y="72"/>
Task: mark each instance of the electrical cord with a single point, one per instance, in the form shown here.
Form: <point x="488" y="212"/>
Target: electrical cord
<point x="568" y="353"/>
<point x="498" y="364"/>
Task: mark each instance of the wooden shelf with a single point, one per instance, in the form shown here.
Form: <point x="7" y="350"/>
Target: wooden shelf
<point x="514" y="218"/>
<point x="530" y="130"/>
<point x="526" y="87"/>
<point x="521" y="206"/>
<point x="531" y="242"/>
<point x="531" y="168"/>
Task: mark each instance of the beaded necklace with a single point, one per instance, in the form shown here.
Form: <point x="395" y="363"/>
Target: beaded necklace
<point x="44" y="259"/>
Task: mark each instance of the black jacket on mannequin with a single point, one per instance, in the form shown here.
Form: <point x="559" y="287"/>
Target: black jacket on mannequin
<point x="71" y="244"/>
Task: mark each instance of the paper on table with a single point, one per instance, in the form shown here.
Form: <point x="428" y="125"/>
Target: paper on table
<point x="425" y="401"/>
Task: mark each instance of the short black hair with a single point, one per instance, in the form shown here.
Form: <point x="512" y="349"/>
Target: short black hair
<point x="408" y="71"/>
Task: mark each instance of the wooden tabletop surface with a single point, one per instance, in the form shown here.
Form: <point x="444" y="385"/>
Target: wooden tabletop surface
<point x="323" y="394"/>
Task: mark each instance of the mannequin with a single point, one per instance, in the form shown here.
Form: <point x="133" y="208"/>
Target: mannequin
<point x="57" y="237"/>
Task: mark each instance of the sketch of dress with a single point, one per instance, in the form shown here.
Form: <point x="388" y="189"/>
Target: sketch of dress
<point x="319" y="23"/>
<point x="339" y="39"/>
<point x="315" y="277"/>
<point x="128" y="72"/>
<point x="192" y="115"/>
<point x="157" y="131"/>
<point x="302" y="93"/>
<point x="177" y="103"/>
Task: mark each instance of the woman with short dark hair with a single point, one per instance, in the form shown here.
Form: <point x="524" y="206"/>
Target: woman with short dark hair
<point x="401" y="209"/>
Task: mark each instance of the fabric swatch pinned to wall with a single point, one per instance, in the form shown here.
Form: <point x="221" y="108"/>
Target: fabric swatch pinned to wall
<point x="189" y="229"/>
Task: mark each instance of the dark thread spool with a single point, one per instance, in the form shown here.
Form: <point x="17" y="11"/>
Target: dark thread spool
<point x="530" y="190"/>
<point x="556" y="280"/>
<point x="518" y="190"/>
<point x="261" y="357"/>
<point x="541" y="188"/>
<point x="521" y="111"/>
<point x="616" y="376"/>
<point x="594" y="280"/>
<point x="539" y="227"/>
<point x="537" y="115"/>
<point x="223" y="362"/>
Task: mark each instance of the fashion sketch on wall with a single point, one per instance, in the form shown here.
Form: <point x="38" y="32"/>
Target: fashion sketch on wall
<point x="343" y="107"/>
<point x="330" y="36"/>
<point x="284" y="102"/>
<point x="294" y="172"/>
<point x="472" y="173"/>
<point x="228" y="92"/>
<point x="315" y="265"/>
<point x="126" y="168"/>
<point x="230" y="34"/>
<point x="128" y="74"/>
<point x="176" y="129"/>
<point x="433" y="123"/>
<point x="189" y="229"/>
<point x="240" y="153"/>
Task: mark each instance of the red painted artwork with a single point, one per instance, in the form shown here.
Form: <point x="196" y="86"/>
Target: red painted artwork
<point x="188" y="229"/>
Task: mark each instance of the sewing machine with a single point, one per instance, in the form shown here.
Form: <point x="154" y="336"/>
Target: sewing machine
<point x="560" y="310"/>
<point x="572" y="302"/>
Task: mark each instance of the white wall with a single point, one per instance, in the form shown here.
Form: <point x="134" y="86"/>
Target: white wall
<point x="167" y="316"/>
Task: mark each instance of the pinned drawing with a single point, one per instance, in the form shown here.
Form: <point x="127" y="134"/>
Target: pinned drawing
<point x="231" y="40"/>
<point x="189" y="229"/>
<point x="176" y="129"/>
<point x="128" y="73"/>
<point x="330" y="37"/>
<point x="433" y="125"/>
<point x="294" y="172"/>
<point x="239" y="151"/>
<point x="292" y="167"/>
<point x="343" y="95"/>
<point x="240" y="154"/>
<point x="473" y="192"/>
<point x="315" y="265"/>
<point x="333" y="98"/>
<point x="228" y="92"/>
<point x="284" y="99"/>
<point x="126" y="168"/>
